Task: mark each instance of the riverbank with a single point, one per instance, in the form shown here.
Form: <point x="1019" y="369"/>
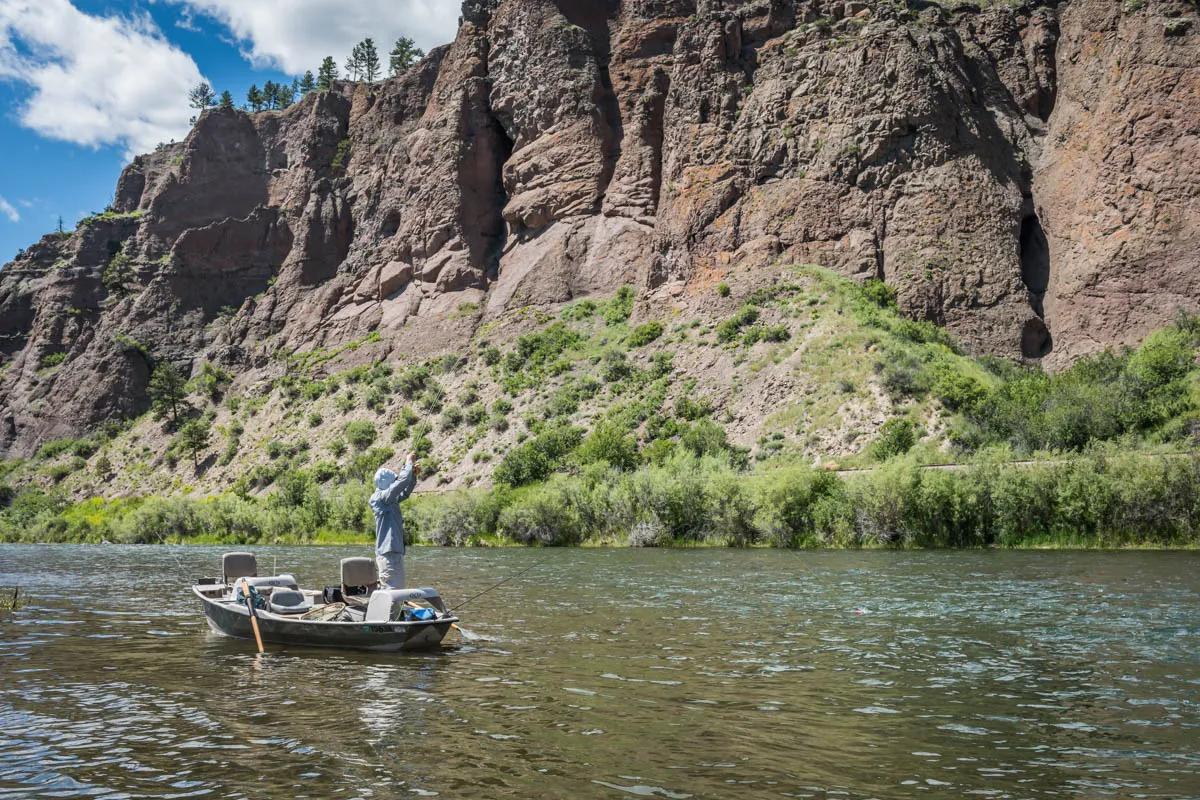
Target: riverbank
<point x="1106" y="498"/>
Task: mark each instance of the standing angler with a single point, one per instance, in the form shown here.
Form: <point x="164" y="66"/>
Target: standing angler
<point x="390" y="490"/>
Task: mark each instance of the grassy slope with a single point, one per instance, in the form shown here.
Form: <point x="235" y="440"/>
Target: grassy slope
<point x="814" y="395"/>
<point x="810" y="367"/>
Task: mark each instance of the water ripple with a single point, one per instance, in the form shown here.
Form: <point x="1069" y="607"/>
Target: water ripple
<point x="620" y="674"/>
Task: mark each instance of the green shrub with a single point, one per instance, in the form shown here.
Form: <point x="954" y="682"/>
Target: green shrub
<point x="611" y="444"/>
<point x="877" y="292"/>
<point x="614" y="367"/>
<point x="341" y="156"/>
<point x="904" y="377"/>
<point x="536" y="458"/>
<point x="451" y="418"/>
<point x="432" y="398"/>
<point x="723" y="289"/>
<point x="728" y="330"/>
<point x="475" y="413"/>
<point x="704" y="438"/>
<point x="792" y="503"/>
<point x="690" y="406"/>
<point x="449" y="363"/>
<point x="534" y="352"/>
<point x="563" y="403"/>
<point x="51" y="360"/>
<point x="363" y="465"/>
<point x="375" y="399"/>
<point x="578" y="312"/>
<point x="325" y="471"/>
<point x="57" y="447"/>
<point x="766" y="333"/>
<point x="422" y="445"/>
<point x="896" y="437"/>
<point x="118" y="272"/>
<point x="315" y="419"/>
<point x="540" y="516"/>
<point x="412" y="381"/>
<point x="957" y="390"/>
<point x="645" y="333"/>
<point x="360" y="434"/>
<point x="617" y="309"/>
<point x="210" y="382"/>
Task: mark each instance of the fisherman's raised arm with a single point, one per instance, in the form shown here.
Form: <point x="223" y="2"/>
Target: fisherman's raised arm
<point x="405" y="482"/>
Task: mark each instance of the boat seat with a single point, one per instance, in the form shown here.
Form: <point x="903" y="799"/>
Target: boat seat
<point x="387" y="604"/>
<point x="290" y="601"/>
<point x="360" y="577"/>
<point x="284" y="581"/>
<point x="238" y="565"/>
<point x="266" y="584"/>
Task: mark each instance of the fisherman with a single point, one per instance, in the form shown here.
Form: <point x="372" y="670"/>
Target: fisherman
<point x="390" y="490"/>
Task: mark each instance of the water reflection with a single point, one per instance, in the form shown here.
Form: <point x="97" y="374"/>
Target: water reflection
<point x="620" y="674"/>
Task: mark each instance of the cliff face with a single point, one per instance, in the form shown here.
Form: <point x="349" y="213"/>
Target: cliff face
<point x="1027" y="176"/>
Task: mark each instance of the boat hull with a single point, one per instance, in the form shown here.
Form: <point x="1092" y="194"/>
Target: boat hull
<point x="231" y="620"/>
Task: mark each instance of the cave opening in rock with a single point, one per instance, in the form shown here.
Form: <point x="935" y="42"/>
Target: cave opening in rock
<point x="1036" y="341"/>
<point x="1035" y="261"/>
<point x="390" y="224"/>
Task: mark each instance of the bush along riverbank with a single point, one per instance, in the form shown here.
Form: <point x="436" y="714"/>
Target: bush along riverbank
<point x="1102" y="498"/>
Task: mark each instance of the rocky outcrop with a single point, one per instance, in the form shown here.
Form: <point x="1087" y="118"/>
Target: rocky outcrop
<point x="1027" y="176"/>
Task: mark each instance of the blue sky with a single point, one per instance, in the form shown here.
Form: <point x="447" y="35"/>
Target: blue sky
<point x="74" y="115"/>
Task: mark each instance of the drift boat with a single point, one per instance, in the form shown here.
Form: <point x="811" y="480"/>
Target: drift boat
<point x="357" y="615"/>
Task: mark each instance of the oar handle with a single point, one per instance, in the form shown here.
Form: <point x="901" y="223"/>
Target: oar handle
<point x="253" y="614"/>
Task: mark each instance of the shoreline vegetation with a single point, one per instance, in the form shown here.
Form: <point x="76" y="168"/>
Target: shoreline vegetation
<point x="1099" y="455"/>
<point x="1106" y="498"/>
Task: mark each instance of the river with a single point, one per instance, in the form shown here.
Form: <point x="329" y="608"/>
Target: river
<point x="619" y="673"/>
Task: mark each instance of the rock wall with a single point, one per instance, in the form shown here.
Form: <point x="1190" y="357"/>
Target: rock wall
<point x="1028" y="176"/>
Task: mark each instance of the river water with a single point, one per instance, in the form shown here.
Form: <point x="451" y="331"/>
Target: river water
<point x="619" y="673"/>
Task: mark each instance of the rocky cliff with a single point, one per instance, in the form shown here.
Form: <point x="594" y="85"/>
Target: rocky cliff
<point x="1027" y="175"/>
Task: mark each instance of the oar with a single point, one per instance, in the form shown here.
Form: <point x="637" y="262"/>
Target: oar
<point x="253" y="615"/>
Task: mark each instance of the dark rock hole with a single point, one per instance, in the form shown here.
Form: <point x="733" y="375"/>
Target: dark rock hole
<point x="1036" y="341"/>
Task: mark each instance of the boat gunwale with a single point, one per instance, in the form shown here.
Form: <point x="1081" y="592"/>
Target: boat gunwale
<point x="240" y="608"/>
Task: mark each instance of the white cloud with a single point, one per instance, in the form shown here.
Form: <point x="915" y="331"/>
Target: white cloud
<point x="294" y="35"/>
<point x="7" y="210"/>
<point x="95" y="80"/>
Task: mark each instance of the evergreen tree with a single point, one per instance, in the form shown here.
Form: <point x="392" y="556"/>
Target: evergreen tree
<point x="326" y="74"/>
<point x="193" y="437"/>
<point x="404" y="55"/>
<point x="285" y="95"/>
<point x="254" y="98"/>
<point x="201" y="96"/>
<point x="354" y="63"/>
<point x="370" y="60"/>
<point x="270" y="93"/>
<point x="167" y="390"/>
<point x="307" y="83"/>
<point x="226" y="99"/>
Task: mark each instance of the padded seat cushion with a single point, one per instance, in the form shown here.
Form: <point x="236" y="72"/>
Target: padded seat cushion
<point x="359" y="572"/>
<point x="290" y="601"/>
<point x="238" y="565"/>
